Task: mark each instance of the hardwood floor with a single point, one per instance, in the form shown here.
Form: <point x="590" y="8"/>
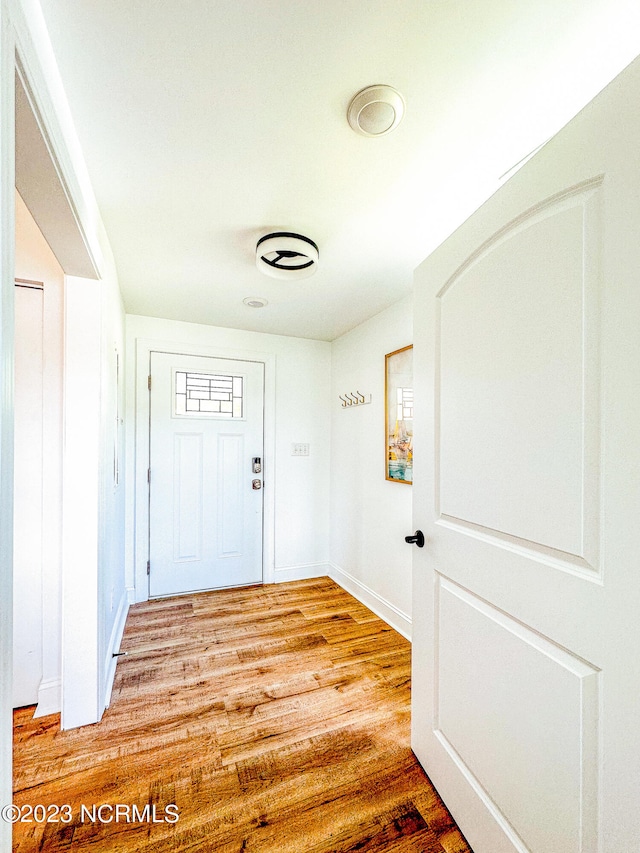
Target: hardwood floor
<point x="275" y="719"/>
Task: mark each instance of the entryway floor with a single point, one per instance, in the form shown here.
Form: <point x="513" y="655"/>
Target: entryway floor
<point x="272" y="719"/>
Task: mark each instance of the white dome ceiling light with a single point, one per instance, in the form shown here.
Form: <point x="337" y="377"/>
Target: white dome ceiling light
<point x="376" y="110"/>
<point x="286" y="255"/>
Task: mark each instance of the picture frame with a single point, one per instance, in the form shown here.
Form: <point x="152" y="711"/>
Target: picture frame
<point x="398" y="421"/>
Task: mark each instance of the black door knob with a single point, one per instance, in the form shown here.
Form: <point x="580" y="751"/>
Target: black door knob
<point x="417" y="539"/>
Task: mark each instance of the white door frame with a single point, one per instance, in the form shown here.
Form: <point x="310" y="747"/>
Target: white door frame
<point x="29" y="513"/>
<point x="24" y="46"/>
<point x="7" y="272"/>
<point x="138" y="491"/>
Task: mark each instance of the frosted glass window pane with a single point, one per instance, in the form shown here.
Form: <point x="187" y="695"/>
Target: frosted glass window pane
<point x="404" y="408"/>
<point x="209" y="395"/>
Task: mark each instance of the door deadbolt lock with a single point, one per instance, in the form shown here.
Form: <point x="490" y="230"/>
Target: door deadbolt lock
<point x="256" y="484"/>
<point x="256" y="465"/>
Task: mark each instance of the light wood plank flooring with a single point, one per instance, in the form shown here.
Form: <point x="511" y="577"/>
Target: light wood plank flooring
<point x="275" y="718"/>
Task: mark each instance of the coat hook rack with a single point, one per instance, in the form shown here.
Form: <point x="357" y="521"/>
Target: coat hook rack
<point x="350" y="399"/>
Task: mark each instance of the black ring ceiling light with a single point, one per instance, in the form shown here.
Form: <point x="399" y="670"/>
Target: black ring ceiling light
<point x="286" y="255"/>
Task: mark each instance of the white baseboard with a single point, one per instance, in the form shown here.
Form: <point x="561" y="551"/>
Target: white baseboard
<point x="392" y="615"/>
<point x="49" y="697"/>
<point x="114" y="644"/>
<point x="131" y="594"/>
<point x="301" y="573"/>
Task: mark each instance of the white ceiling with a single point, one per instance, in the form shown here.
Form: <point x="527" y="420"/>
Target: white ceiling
<point x="208" y="123"/>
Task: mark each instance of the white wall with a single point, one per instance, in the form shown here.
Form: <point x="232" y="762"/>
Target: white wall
<point x="94" y="598"/>
<point x="81" y="465"/>
<point x="369" y="515"/>
<point x="297" y="386"/>
<point x="113" y="601"/>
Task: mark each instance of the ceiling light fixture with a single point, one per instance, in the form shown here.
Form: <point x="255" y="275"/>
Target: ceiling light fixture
<point x="285" y="255"/>
<point x="376" y="110"/>
<point x="255" y="301"/>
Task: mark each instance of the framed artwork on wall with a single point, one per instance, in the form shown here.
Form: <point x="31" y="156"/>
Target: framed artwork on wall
<point x="398" y="427"/>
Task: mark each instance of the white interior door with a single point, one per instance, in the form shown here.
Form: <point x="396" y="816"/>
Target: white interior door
<point x="205" y="510"/>
<point x="526" y="612"/>
<point x="27" y="542"/>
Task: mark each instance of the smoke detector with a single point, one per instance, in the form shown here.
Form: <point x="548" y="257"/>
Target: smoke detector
<point x="376" y="110"/>
<point x="286" y="255"/>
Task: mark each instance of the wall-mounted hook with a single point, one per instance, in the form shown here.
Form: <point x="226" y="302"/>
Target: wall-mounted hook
<point x="351" y="399"/>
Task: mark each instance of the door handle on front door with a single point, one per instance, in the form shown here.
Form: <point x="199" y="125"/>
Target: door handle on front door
<point x="256" y="484"/>
<point x="416" y="539"/>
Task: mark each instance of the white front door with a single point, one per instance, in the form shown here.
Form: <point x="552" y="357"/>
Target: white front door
<point x="526" y="594"/>
<point x="206" y="455"/>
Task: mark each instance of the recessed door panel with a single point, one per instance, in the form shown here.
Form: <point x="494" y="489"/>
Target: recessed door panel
<point x="518" y="737"/>
<point x="231" y="493"/>
<point x="515" y="383"/>
<point x="187" y="507"/>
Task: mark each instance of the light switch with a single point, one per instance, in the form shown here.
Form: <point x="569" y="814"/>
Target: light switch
<point x="299" y="449"/>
